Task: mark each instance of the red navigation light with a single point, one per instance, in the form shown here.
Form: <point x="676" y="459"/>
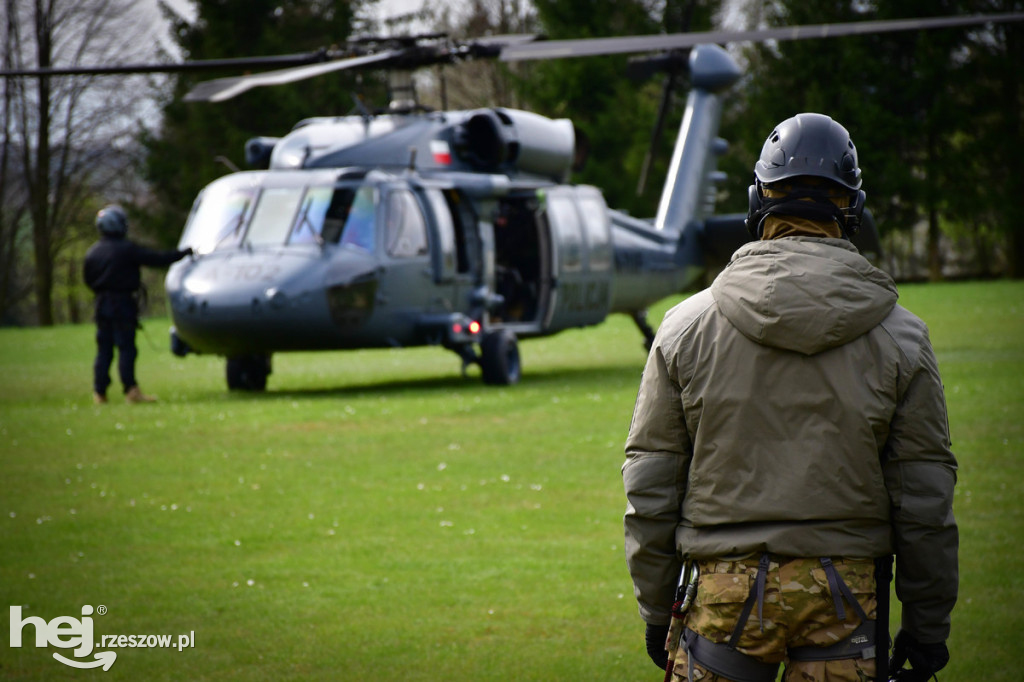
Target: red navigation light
<point x="457" y="328"/>
<point x="474" y="327"/>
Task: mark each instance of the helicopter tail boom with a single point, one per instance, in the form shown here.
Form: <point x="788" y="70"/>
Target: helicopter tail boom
<point x="697" y="147"/>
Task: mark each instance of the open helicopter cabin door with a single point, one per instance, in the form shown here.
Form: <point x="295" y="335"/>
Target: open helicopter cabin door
<point x="522" y="264"/>
<point x="577" y="218"/>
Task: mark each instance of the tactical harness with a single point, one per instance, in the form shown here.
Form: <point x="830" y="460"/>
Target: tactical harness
<point x="722" y="658"/>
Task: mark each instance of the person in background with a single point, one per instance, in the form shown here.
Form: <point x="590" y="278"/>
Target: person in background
<point x="788" y="437"/>
<point x="112" y="272"/>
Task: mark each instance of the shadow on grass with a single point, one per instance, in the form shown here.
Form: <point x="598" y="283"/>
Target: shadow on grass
<point x="537" y="380"/>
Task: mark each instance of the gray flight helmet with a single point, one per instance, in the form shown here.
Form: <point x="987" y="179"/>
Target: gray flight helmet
<point x="809" y="144"/>
<point x="805" y="145"/>
<point x="112" y="221"/>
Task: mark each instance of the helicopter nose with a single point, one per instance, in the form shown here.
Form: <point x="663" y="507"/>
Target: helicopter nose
<point x="267" y="302"/>
<point x="225" y="303"/>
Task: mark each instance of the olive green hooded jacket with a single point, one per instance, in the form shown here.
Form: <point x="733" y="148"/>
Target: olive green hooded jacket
<point x="793" y="407"/>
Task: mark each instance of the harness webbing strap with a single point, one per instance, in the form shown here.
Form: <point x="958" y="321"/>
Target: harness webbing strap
<point x="883" y="576"/>
<point x="833" y="587"/>
<point x="756" y="595"/>
<point x="839" y="590"/>
<point x="762" y="576"/>
<point x="725" y="661"/>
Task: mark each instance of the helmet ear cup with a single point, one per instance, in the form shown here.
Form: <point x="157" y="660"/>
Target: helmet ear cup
<point x="854" y="212"/>
<point x="755" y="202"/>
<point x="848" y="218"/>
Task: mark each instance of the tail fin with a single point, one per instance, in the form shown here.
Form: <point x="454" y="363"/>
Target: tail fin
<point x="692" y="172"/>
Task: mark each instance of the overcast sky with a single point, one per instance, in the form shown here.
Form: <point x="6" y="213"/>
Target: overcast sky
<point x="182" y="7"/>
<point x="386" y="8"/>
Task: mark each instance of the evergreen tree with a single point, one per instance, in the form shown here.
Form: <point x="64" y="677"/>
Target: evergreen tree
<point x="613" y="114"/>
<point x="922" y="107"/>
<point x="836" y="77"/>
<point x="987" y="148"/>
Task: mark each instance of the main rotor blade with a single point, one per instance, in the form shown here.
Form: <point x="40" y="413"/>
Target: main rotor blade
<point x="220" y="89"/>
<point x="504" y="39"/>
<point x="172" y="67"/>
<point x="557" y="49"/>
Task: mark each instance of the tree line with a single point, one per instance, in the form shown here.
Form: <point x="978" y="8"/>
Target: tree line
<point x="936" y="115"/>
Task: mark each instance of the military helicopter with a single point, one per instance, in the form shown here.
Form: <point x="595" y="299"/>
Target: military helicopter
<point x="463" y="233"/>
<point x="456" y="229"/>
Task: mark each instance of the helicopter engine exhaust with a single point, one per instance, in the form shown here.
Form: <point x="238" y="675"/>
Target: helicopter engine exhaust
<point x="258" y="151"/>
<point x="491" y="139"/>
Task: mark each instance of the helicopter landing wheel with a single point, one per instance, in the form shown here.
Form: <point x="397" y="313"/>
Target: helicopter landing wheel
<point x="248" y="372"/>
<point x="499" y="358"/>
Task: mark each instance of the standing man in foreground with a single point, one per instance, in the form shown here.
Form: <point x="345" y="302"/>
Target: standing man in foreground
<point x="112" y="271"/>
<point x="790" y="429"/>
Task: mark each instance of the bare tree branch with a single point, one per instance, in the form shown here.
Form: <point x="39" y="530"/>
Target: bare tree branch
<point x="64" y="135"/>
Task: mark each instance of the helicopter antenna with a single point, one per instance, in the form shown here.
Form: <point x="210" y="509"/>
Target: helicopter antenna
<point x="360" y="107"/>
<point x="402" y="89"/>
<point x="227" y="162"/>
<point x="443" y="82"/>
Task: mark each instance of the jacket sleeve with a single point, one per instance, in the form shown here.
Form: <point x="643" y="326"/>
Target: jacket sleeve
<point x="920" y="474"/>
<point x="154" y="258"/>
<point x="658" y="453"/>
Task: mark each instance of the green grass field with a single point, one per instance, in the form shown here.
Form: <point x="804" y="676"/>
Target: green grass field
<point x="375" y="516"/>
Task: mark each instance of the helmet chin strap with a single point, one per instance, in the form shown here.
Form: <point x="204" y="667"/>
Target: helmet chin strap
<point x="819" y="208"/>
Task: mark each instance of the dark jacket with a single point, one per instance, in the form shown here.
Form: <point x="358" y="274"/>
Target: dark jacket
<point x="793" y="408"/>
<point x="112" y="265"/>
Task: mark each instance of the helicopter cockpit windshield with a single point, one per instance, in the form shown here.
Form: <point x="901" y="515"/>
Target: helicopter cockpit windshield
<point x="218" y="216"/>
<point x="235" y="211"/>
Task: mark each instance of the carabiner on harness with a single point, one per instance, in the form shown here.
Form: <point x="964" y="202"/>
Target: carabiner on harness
<point x="685" y="593"/>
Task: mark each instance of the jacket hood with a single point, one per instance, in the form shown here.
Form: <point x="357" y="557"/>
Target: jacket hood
<point x="803" y="294"/>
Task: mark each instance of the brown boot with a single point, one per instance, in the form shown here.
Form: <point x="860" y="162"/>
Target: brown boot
<point x="134" y="396"/>
<point x="99" y="398"/>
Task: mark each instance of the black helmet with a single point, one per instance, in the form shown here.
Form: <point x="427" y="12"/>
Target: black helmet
<point x="807" y="145"/>
<point x="112" y="221"/>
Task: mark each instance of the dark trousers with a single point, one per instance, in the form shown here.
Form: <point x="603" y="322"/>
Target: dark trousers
<point x="116" y="322"/>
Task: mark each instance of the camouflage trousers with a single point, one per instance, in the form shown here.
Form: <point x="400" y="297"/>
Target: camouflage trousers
<point x="798" y="611"/>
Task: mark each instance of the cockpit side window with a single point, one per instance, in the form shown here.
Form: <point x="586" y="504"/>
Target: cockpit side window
<point x="309" y="225"/>
<point x="329" y="215"/>
<point x="467" y="238"/>
<point x="405" y="228"/>
<point x="337" y="213"/>
<point x="359" y="230"/>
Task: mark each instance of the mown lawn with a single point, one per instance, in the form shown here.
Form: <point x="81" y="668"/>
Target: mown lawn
<point x="376" y="516"/>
